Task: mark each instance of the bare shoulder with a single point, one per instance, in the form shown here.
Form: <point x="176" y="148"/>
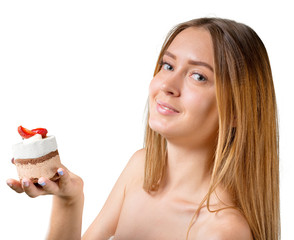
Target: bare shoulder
<point x="137" y="160"/>
<point x="106" y="222"/>
<point x="225" y="224"/>
<point x="135" y="170"/>
<point x="229" y="224"/>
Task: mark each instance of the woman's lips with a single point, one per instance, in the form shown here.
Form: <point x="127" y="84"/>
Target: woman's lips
<point x="165" y="108"/>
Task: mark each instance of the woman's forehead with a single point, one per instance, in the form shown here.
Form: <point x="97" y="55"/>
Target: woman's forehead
<point x="193" y="43"/>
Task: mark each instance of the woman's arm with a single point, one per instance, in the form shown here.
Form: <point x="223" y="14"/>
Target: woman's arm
<point x="66" y="219"/>
<point x="105" y="224"/>
<point x="67" y="210"/>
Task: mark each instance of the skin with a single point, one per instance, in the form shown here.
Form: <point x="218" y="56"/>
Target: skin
<point x="191" y="131"/>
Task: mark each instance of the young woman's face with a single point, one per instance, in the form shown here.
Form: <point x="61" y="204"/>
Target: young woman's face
<point x="182" y="100"/>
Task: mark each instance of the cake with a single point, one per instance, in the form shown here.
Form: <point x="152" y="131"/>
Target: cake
<point x="37" y="155"/>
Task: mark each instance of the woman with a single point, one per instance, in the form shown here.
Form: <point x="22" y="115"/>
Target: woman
<point x="209" y="168"/>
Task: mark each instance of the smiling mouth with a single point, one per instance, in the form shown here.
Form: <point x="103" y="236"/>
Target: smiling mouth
<point x="166" y="106"/>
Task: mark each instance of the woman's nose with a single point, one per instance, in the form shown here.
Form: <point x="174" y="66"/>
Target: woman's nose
<point x="171" y="85"/>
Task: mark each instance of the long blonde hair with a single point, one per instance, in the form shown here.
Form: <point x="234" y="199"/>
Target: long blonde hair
<point x="246" y="159"/>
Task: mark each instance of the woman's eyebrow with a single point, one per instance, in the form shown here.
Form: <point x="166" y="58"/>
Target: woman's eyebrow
<point x="191" y="61"/>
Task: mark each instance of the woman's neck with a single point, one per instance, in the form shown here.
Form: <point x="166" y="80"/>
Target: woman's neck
<point x="188" y="171"/>
<point x="188" y="175"/>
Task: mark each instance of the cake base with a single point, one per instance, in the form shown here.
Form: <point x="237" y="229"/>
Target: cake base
<point x="34" y="168"/>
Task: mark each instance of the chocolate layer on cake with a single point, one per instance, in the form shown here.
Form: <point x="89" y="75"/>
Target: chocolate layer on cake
<point x="34" y="168"/>
<point x="37" y="160"/>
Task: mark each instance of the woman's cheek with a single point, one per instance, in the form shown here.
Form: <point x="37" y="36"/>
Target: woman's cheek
<point x="154" y="87"/>
<point x="202" y="106"/>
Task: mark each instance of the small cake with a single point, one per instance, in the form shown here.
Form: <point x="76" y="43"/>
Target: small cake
<point x="37" y="155"/>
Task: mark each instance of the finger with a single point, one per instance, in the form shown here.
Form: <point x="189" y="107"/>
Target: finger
<point x="48" y="186"/>
<point x="30" y="189"/>
<point x="15" y="185"/>
<point x="12" y="161"/>
<point x="64" y="179"/>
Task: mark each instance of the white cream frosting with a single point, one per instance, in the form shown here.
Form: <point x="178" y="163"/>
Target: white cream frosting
<point x="34" y="148"/>
<point x="34" y="138"/>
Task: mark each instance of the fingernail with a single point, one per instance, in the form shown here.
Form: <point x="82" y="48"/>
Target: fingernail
<point x="60" y="172"/>
<point x="41" y="182"/>
<point x="12" y="160"/>
<point x="25" y="183"/>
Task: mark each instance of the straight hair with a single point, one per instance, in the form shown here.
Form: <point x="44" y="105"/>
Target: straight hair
<point x="246" y="160"/>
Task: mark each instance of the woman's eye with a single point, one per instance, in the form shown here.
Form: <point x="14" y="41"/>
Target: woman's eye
<point x="167" y="66"/>
<point x="199" y="77"/>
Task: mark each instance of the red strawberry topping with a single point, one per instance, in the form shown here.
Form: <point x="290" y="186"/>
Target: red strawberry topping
<point x="42" y="131"/>
<point x="26" y="133"/>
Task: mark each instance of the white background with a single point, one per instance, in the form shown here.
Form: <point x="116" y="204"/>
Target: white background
<point x="82" y="69"/>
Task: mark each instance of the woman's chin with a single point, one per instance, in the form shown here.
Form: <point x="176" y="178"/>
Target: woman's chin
<point x="162" y="129"/>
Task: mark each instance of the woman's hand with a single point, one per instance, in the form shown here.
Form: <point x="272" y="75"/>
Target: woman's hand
<point x="68" y="202"/>
<point x="68" y="187"/>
